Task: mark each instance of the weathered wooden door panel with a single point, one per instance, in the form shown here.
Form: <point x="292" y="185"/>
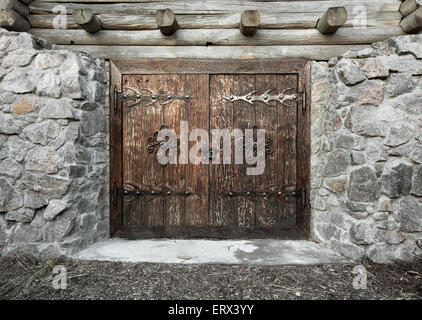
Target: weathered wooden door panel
<point x="280" y="123"/>
<point x="216" y="199"/>
<point x="174" y="175"/>
<point x="222" y="175"/>
<point x="243" y="118"/>
<point x="288" y="140"/>
<point x="197" y="176"/>
<point x="271" y="117"/>
<point x="141" y="168"/>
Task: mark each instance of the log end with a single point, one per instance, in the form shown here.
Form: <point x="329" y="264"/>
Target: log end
<point x="82" y="16"/>
<point x="13" y="21"/>
<point x="166" y="21"/>
<point x="333" y="19"/>
<point x="409" y="6"/>
<point x="413" y="22"/>
<point x="249" y="22"/>
<point x="87" y="20"/>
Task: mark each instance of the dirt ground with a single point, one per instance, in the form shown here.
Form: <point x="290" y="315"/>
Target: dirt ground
<point x="29" y="278"/>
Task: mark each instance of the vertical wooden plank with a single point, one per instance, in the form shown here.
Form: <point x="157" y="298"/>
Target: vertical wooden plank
<point x="304" y="149"/>
<point x="151" y="171"/>
<point x="174" y="174"/>
<point x="266" y="118"/>
<point x="243" y="118"/>
<point x="115" y="150"/>
<point x="133" y="151"/>
<point x="221" y="175"/>
<point x="287" y="145"/>
<point x="197" y="176"/>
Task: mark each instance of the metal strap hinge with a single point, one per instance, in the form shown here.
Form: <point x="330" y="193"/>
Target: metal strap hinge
<point x="266" y="97"/>
<point x="150" y="97"/>
<point x="117" y="193"/>
<point x="116" y="99"/>
<point x="303" y="190"/>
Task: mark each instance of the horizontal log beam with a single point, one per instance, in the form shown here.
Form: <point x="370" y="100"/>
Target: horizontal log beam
<point x="87" y="20"/>
<point x="409" y="6"/>
<point x="249" y="22"/>
<point x="323" y="52"/>
<point x="231" y="37"/>
<point x="13" y="21"/>
<point x="16" y="6"/>
<point x="413" y="22"/>
<point x="146" y="1"/>
<point x="216" y="7"/>
<point x="166" y="21"/>
<point x="332" y="20"/>
<point x="217" y="21"/>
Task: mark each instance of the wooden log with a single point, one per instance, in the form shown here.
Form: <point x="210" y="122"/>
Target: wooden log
<point x="332" y="20"/>
<point x="313" y="52"/>
<point x="413" y="22"/>
<point x="16" y="6"/>
<point x="13" y="21"/>
<point x="230" y="37"/>
<point x="117" y="21"/>
<point x="166" y="21"/>
<point x="409" y="6"/>
<point x="27" y="2"/>
<point x="249" y="22"/>
<point x="87" y="20"/>
<point x="146" y="1"/>
<point x="216" y="7"/>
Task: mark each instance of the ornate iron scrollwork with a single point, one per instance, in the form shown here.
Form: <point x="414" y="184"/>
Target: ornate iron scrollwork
<point x="151" y="97"/>
<point x="266" y="97"/>
<point x="268" y="145"/>
<point x="154" y="144"/>
<point x="283" y="194"/>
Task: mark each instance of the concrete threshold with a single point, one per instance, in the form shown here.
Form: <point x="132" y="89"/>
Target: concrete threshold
<point x="257" y="252"/>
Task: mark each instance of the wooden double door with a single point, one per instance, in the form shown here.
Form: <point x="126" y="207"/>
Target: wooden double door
<point x="217" y="196"/>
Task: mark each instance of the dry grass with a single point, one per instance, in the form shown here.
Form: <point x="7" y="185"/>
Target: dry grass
<point x="29" y="278"/>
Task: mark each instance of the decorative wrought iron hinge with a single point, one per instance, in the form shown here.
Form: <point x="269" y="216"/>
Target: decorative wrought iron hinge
<point x="116" y="195"/>
<point x="153" y="143"/>
<point x="150" y="97"/>
<point x="283" y="194"/>
<point x="132" y="192"/>
<point x="266" y="97"/>
<point x="116" y="100"/>
<point x="268" y="144"/>
<point x="303" y="101"/>
<point x="304" y="195"/>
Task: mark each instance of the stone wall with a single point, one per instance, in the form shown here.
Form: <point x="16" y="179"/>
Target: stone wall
<point x="366" y="162"/>
<point x="53" y="147"/>
<point x="366" y="165"/>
